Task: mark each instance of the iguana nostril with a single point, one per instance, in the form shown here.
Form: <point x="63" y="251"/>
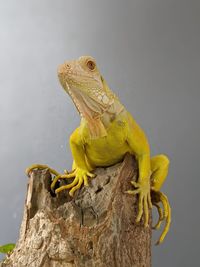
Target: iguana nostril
<point x="64" y="68"/>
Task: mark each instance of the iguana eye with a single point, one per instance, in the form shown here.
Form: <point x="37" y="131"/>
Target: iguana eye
<point x="91" y="65"/>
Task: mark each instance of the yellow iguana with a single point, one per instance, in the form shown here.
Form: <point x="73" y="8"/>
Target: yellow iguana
<point x="106" y="133"/>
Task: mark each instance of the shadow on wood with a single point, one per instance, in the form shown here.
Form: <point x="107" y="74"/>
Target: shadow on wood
<point x="96" y="228"/>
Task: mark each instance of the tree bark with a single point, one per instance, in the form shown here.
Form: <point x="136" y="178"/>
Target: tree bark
<point x="95" y="228"/>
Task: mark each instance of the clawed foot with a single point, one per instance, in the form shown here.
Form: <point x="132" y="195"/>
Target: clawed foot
<point x="80" y="176"/>
<point x="164" y="214"/>
<point x="143" y="190"/>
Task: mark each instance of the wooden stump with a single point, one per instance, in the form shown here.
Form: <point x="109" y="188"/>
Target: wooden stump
<point x="95" y="228"/>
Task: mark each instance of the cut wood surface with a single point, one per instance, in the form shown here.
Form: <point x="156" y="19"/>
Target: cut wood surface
<point x="94" y="228"/>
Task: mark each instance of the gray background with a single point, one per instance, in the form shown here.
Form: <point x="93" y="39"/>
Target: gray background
<point x="148" y="51"/>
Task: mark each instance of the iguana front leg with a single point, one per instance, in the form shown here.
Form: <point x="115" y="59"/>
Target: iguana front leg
<point x="139" y="146"/>
<point x="159" y="168"/>
<point x="142" y="188"/>
<point x="150" y="169"/>
<point x="81" y="171"/>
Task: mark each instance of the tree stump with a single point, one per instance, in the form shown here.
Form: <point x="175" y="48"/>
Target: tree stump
<point x="95" y="228"/>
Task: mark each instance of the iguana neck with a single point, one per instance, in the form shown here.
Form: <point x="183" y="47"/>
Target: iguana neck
<point x="98" y="126"/>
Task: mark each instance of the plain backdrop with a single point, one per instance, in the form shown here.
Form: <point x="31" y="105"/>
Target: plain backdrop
<point x="149" y="53"/>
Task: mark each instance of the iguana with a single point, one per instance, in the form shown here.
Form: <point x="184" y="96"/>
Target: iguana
<point x="106" y="133"/>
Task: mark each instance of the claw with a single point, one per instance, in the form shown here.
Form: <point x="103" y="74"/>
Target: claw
<point x="146" y="212"/>
<point x="149" y="201"/>
<point x="135" y="184"/>
<point x="91" y="175"/>
<point x="85" y="179"/>
<point x="71" y="192"/>
<point x="133" y="192"/>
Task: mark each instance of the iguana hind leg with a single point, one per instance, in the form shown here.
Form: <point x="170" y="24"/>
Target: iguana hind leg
<point x="80" y="177"/>
<point x="56" y="176"/>
<point x="165" y="215"/>
<point x="159" y="168"/>
<point x="41" y="167"/>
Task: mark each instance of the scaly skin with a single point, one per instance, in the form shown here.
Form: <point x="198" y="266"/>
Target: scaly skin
<point x="106" y="133"/>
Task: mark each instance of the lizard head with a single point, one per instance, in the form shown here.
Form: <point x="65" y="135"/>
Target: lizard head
<point x="82" y="80"/>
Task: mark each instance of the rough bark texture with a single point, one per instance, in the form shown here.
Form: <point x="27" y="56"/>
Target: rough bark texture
<point x="96" y="228"/>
